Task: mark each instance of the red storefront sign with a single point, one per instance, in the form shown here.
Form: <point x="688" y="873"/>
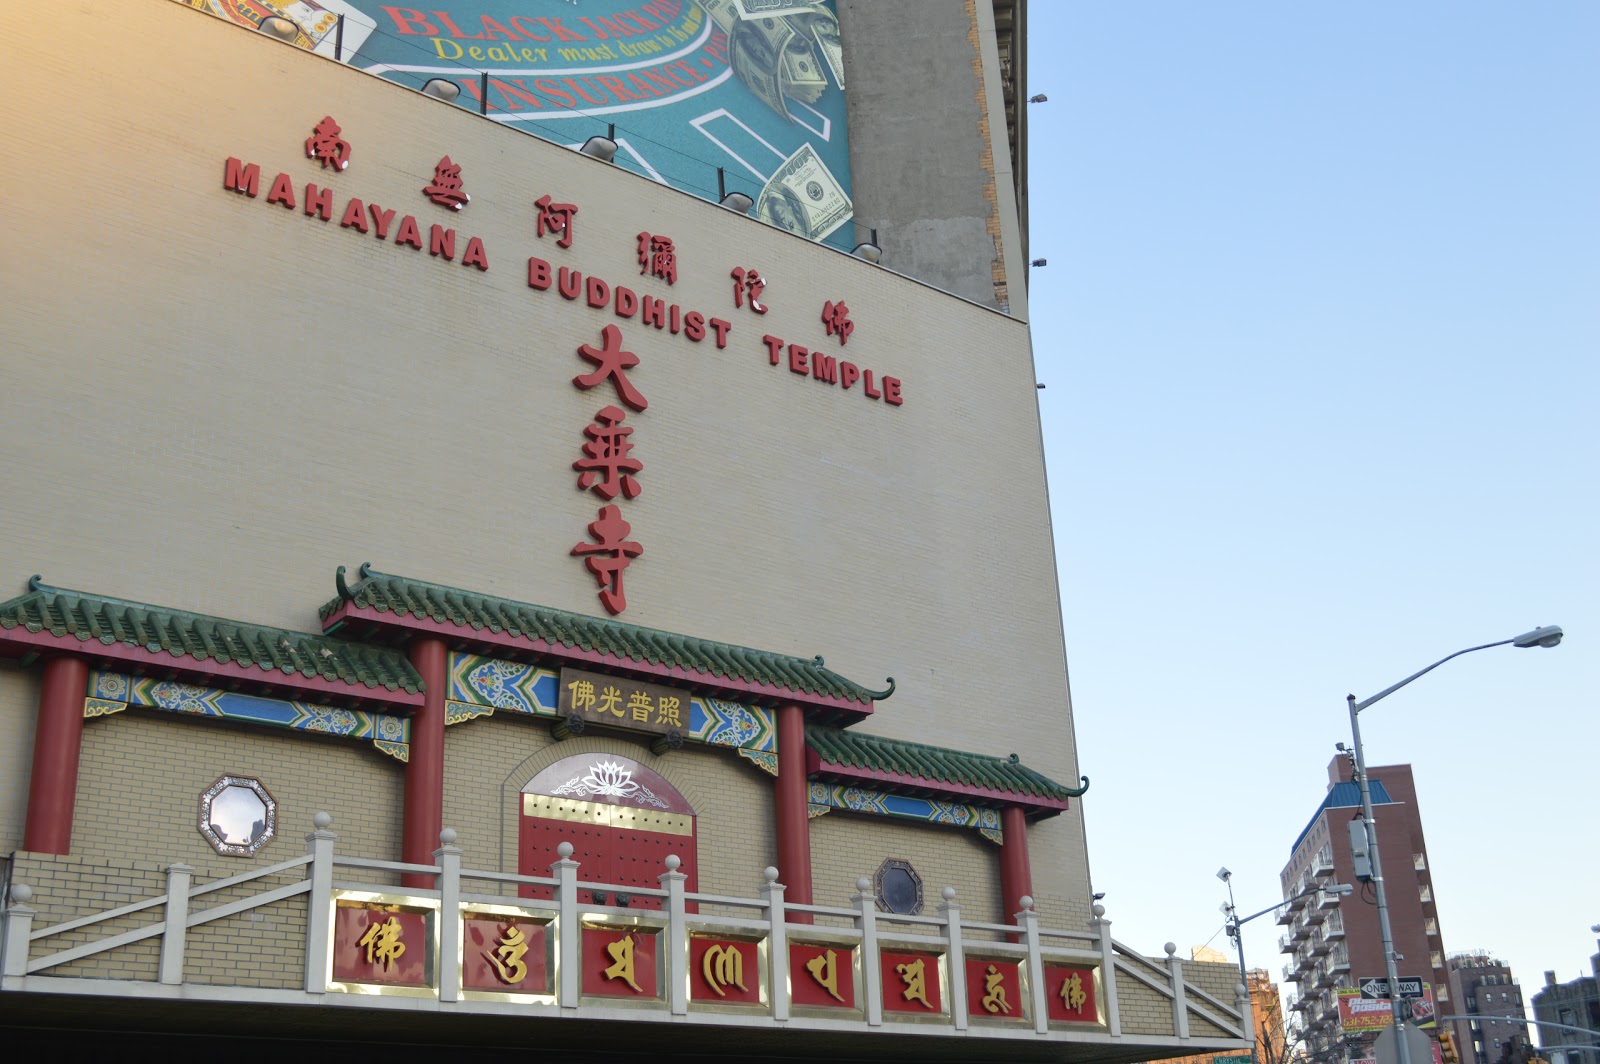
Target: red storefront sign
<point x="620" y="962"/>
<point x="503" y="953"/>
<point x="822" y="977"/>
<point x="382" y="944"/>
<point x="994" y="988"/>
<point x="724" y="971"/>
<point x="1069" y="994"/>
<point x="911" y="982"/>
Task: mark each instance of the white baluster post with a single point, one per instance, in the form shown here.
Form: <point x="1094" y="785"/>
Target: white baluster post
<point x="319" y="905"/>
<point x="1180" y="995"/>
<point x="177" y="920"/>
<point x="16" y="927"/>
<point x="448" y="858"/>
<point x="1108" y="969"/>
<point x="566" y="872"/>
<point x="677" y="937"/>
<point x="871" y="964"/>
<point x="1028" y="920"/>
<point x="777" y="942"/>
<point x="955" y="958"/>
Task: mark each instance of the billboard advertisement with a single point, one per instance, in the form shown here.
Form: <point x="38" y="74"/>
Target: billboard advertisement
<point x="1358" y="1013"/>
<point x="753" y="89"/>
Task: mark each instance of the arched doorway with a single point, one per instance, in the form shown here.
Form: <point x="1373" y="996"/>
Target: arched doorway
<point x="622" y="820"/>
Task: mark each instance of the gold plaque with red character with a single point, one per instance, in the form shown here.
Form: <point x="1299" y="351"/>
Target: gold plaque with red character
<point x="505" y="954"/>
<point x="620" y="962"/>
<point x="724" y="971"/>
<point x="386" y="945"/>
<point x="911" y="983"/>
<point x="822" y="976"/>
<point x="1070" y="996"/>
<point x="994" y="988"/>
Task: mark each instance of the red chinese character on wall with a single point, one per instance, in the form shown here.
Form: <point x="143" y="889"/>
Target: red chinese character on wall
<point x="748" y="283"/>
<point x="606" y="467"/>
<point x="609" y="555"/>
<point x="446" y="188"/>
<point x="611" y="361"/>
<point x="325" y="146"/>
<point x="658" y="257"/>
<point x="836" y="316"/>
<point x="556" y="218"/>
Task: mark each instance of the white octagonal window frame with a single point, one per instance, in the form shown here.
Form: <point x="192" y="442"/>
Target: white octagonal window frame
<point x="238" y="816"/>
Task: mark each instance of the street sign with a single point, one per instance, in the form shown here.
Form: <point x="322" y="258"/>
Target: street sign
<point x="1387" y="1050"/>
<point x="1245" y="1059"/>
<point x="1378" y="987"/>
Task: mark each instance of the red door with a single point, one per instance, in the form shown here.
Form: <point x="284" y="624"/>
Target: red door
<point x="622" y="819"/>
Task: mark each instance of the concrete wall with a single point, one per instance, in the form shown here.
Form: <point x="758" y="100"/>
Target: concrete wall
<point x="933" y="179"/>
<point x="259" y="396"/>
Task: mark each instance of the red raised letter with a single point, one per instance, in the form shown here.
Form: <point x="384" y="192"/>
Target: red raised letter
<point x="848" y="374"/>
<point x="539" y="274"/>
<point x="891" y="391"/>
<point x="241" y="177"/>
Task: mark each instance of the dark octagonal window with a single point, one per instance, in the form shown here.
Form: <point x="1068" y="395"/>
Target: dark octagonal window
<point x="899" y="888"/>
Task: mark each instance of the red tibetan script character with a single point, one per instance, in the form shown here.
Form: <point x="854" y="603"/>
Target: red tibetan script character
<point x="609" y="555"/>
<point x="606" y="467"/>
<point x="446" y="189"/>
<point x="748" y="282"/>
<point x="324" y="145"/>
<point x="836" y="316"/>
<point x="658" y="257"/>
<point x="556" y="218"/>
<point x="612" y="360"/>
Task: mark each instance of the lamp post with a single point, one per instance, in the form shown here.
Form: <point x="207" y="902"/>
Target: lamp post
<point x="1539" y="637"/>
<point x="1235" y="922"/>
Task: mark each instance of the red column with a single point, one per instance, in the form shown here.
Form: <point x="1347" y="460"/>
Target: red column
<point x="424" y="815"/>
<point x="1016" y="874"/>
<point x="794" y="822"/>
<point x="53" y="785"/>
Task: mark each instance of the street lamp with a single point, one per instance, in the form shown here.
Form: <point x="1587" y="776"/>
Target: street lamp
<point x="1539" y="637"/>
<point x="1235" y="921"/>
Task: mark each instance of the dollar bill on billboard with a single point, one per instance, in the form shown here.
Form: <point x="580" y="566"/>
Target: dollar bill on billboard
<point x="317" y="21"/>
<point x="803" y="197"/>
<point x="723" y="12"/>
<point x="822" y="26"/>
<point x="749" y="9"/>
<point x="755" y="52"/>
<point x="802" y="71"/>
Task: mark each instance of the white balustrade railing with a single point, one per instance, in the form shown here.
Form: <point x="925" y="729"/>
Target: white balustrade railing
<point x="769" y="918"/>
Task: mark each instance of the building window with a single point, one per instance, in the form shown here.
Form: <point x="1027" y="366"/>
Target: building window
<point x="1437" y="958"/>
<point x="899" y="888"/>
<point x="1441" y="992"/>
<point x="238" y="816"/>
<point x="1419" y="862"/>
<point x="1425" y="893"/>
<point x="1431" y="926"/>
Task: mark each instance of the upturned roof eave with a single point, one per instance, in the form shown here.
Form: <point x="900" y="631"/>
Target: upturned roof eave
<point x="1038" y="806"/>
<point x="518" y="647"/>
<point x="225" y="674"/>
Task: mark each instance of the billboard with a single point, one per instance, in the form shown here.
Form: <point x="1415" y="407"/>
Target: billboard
<point x="753" y="89"/>
<point x="1358" y="1013"/>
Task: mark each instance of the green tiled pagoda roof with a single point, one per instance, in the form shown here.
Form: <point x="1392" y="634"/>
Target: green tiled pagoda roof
<point x="561" y="633"/>
<point x="834" y="751"/>
<point x="117" y="624"/>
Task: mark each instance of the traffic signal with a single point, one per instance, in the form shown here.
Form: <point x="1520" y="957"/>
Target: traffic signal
<point x="1447" y="1046"/>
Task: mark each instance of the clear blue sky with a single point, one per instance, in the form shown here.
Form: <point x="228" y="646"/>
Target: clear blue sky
<point x="1320" y="327"/>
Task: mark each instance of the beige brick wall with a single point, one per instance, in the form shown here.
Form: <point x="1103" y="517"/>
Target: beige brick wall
<point x="1143" y="1011"/>
<point x="488" y="760"/>
<point x="142" y="771"/>
<point x="301" y="396"/>
<point x="846" y="846"/>
<point x="19" y="709"/>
